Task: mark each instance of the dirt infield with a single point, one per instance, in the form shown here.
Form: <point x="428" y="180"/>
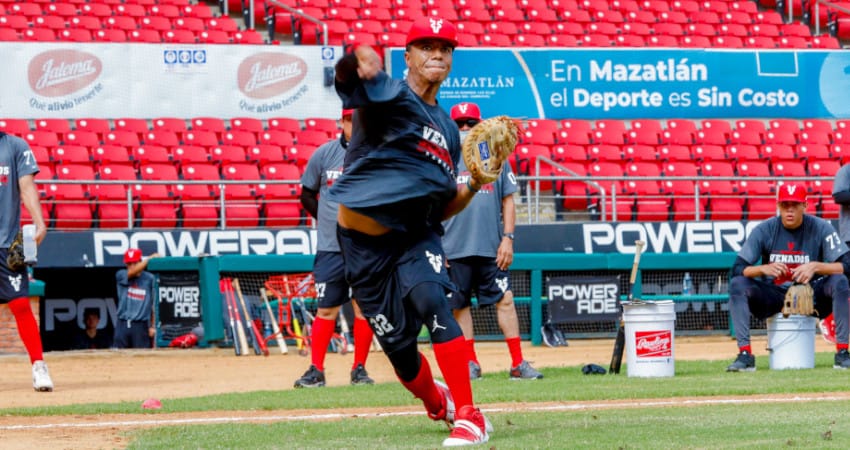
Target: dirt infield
<point x="114" y="376"/>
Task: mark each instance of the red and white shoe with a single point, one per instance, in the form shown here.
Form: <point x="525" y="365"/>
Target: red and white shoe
<point x="470" y="428"/>
<point x="827" y="328"/>
<point x="447" y="413"/>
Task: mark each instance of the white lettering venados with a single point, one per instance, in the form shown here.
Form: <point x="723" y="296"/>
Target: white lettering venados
<point x="64" y="72"/>
<point x="265" y="76"/>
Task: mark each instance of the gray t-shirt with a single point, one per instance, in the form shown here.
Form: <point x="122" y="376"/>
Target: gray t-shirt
<point x="135" y="296"/>
<point x="477" y="230"/>
<point x="16" y="161"/>
<point x="324" y="167"/>
<point x="814" y="240"/>
<point x="842" y="184"/>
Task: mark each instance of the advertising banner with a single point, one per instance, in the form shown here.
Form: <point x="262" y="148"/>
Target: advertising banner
<point x="179" y="304"/>
<point x="583" y="299"/>
<point x="620" y="83"/>
<point x="109" y="80"/>
<point x="106" y="248"/>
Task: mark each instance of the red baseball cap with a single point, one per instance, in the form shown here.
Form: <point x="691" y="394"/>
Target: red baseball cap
<point x="347" y="112"/>
<point x="466" y="110"/>
<point x="132" y="255"/>
<point x="432" y="28"/>
<point x="791" y="192"/>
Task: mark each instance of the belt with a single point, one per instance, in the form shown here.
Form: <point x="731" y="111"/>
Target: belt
<point x="130" y="322"/>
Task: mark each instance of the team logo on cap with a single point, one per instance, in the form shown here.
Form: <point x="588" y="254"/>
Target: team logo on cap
<point x="790" y="188"/>
<point x="436" y="24"/>
<point x="463" y="107"/>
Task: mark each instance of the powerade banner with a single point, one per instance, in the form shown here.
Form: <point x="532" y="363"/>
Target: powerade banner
<point x="583" y="299"/>
<point x="647" y="83"/>
<point x="106" y="248"/>
<point x="179" y="304"/>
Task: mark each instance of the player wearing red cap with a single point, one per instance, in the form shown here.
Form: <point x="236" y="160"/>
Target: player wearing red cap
<point x="793" y="247"/>
<point x="398" y="185"/>
<point x="136" y="318"/>
<point x="324" y="167"/>
<point x="480" y="252"/>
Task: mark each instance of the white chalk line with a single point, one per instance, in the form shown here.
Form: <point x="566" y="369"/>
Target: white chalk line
<point x="294" y="416"/>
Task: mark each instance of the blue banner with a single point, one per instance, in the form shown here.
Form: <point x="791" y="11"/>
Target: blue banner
<point x="647" y="83"/>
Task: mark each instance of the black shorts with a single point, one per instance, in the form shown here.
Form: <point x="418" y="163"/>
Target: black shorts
<point x="329" y="272"/>
<point x="12" y="284"/>
<point x="477" y="276"/>
<point x="382" y="270"/>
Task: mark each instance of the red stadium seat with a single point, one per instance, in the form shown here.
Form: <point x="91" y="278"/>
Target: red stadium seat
<point x="75" y="172"/>
<point x="156" y="208"/>
<point x="85" y="138"/>
<point x="213" y="124"/>
<point x="54" y="125"/>
<point x="753" y="168"/>
<point x="264" y="153"/>
<point x="299" y="153"/>
<point x="198" y="206"/>
<point x="200" y="138"/>
<point x="674" y="152"/>
<point x="602" y="152"/>
<point x="161" y="138"/>
<point x="240" y="138"/>
<point x="108" y="153"/>
<point x="774" y="152"/>
<point x="311" y="137"/>
<point x="742" y="152"/>
<point x="813" y="151"/>
<point x="147" y="154"/>
<point x="200" y="171"/>
<point x="284" y="124"/>
<point x="172" y="124"/>
<point x="224" y="154"/>
<point x="190" y="154"/>
<point x="708" y="152"/>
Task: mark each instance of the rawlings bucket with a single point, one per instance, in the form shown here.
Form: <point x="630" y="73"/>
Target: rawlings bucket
<point x="791" y="342"/>
<point x="649" y="338"/>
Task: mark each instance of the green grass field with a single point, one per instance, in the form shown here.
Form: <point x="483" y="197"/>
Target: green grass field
<point x="679" y="412"/>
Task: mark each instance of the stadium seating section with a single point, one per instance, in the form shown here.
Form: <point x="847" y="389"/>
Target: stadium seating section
<point x="674" y="169"/>
<point x="654" y="168"/>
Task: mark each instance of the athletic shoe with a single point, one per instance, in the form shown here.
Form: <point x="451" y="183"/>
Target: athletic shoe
<point x="470" y="428"/>
<point x="524" y="371"/>
<point x="842" y="360"/>
<point x="360" y="376"/>
<point x="474" y="370"/>
<point x="41" y="381"/>
<point x="745" y="362"/>
<point x="447" y="413"/>
<point x="313" y="377"/>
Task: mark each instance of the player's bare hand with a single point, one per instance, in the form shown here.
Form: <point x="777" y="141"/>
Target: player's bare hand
<point x="804" y="272"/>
<point x="774" y="270"/>
<point x="40" y="233"/>
<point x="368" y="62"/>
<point x="505" y="254"/>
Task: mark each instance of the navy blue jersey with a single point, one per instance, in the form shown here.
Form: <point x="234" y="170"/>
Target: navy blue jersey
<point x="401" y="161"/>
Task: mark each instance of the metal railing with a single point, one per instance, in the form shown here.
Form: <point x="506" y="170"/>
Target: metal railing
<point x="291" y="10"/>
<point x="538" y="202"/>
<point x="827" y="4"/>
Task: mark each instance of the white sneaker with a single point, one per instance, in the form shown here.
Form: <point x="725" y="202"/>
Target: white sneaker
<point x="447" y="415"/>
<point x="41" y="381"/>
<point x="470" y="428"/>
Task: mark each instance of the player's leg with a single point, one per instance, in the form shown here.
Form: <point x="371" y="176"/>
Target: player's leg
<point x="461" y="275"/>
<point x="831" y="294"/>
<point x="28" y="331"/>
<point x="362" y="343"/>
<point x="748" y="297"/>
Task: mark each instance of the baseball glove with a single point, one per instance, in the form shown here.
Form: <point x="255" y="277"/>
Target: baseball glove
<point x="487" y="146"/>
<point x="799" y="299"/>
<point x="15" y="255"/>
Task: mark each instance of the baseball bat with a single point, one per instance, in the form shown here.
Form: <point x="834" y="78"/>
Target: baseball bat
<point x="620" y="341"/>
<point x="258" y="336"/>
<point x="346" y="332"/>
<point x="240" y="330"/>
<point x="278" y="335"/>
<point x="236" y="348"/>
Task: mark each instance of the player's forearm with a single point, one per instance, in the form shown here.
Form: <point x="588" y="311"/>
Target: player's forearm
<point x="509" y="214"/>
<point x="29" y="197"/>
<point x="464" y="195"/>
<point x="310" y="201"/>
<point x="834" y="268"/>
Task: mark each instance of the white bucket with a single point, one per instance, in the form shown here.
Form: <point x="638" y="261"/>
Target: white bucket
<point x="791" y="342"/>
<point x="649" y="338"/>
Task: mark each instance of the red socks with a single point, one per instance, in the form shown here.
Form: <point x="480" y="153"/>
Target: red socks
<point x="515" y="348"/>
<point x="470" y="343"/>
<point x="423" y="387"/>
<point x="27" y="327"/>
<point x="839" y="347"/>
<point x="746" y="348"/>
<point x="453" y="359"/>
<point x="323" y="330"/>
<point x="362" y="341"/>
